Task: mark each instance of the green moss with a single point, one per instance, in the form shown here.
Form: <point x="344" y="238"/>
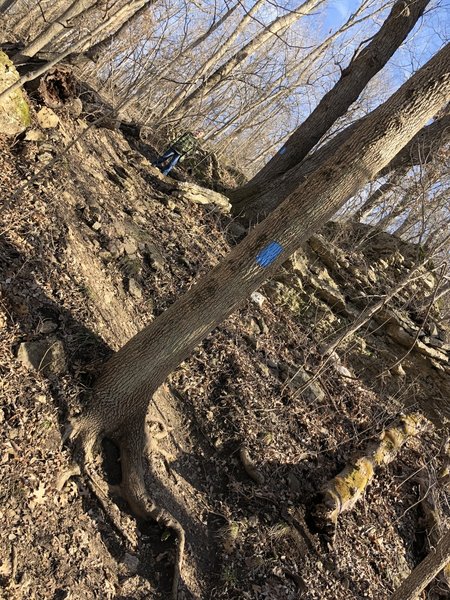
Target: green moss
<point x="14" y="108"/>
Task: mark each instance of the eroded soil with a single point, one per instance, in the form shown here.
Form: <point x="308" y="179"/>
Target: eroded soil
<point x="92" y="249"/>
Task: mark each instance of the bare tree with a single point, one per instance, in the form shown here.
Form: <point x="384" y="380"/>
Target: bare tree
<point x="174" y="108"/>
<point x="364" y="65"/>
<point x="129" y="379"/>
<point x="53" y="30"/>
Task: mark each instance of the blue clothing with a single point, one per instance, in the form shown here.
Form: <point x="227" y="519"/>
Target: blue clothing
<point x="170" y="155"/>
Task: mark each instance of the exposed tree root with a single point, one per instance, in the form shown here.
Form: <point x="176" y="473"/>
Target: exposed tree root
<point x="250" y="467"/>
<point x="436" y="525"/>
<point x="133" y="442"/>
<point x="425" y="572"/>
<point x="342" y="492"/>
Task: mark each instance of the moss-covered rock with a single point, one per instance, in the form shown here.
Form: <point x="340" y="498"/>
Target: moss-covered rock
<point x="14" y="109"/>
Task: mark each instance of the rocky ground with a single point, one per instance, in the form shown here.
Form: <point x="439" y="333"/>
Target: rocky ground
<point x="94" y="244"/>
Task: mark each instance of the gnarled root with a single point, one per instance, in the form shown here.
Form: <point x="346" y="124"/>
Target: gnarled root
<point x="133" y="490"/>
<point x="132" y="440"/>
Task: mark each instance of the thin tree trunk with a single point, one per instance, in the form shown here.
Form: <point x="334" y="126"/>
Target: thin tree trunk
<point x="5" y="4"/>
<point x="38" y="14"/>
<point x="53" y="30"/>
<point x="174" y="108"/>
<point x="215" y="57"/>
<point x="70" y="50"/>
<point x="362" y="68"/>
<point x="425" y="572"/>
<point x="374" y="199"/>
<point x="150" y="79"/>
<point x="214" y="27"/>
<point x="136" y="10"/>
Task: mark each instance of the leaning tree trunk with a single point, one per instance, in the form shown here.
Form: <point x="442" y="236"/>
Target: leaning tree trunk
<point x="213" y="59"/>
<point x="136" y="9"/>
<point x="378" y="195"/>
<point x="417" y="151"/>
<point x="124" y="389"/>
<point x="61" y="23"/>
<point x="5" y="4"/>
<point x="425" y="572"/>
<point x="362" y="68"/>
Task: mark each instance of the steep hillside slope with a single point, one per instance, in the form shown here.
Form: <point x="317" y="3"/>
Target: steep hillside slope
<point x="94" y="244"/>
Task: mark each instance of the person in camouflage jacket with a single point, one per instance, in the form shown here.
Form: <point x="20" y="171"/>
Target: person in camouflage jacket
<point x="177" y="150"/>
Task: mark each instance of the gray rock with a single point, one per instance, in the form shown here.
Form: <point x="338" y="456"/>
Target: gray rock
<point x="398" y="371"/>
<point x="75" y="107"/>
<point x="236" y="230"/>
<point x="134" y="289"/>
<point x="47" y="356"/>
<point x="299" y="379"/>
<point x="131" y="563"/>
<point x="344" y="371"/>
<point x="47" y="118"/>
<point x="34" y="135"/>
<point x="47" y="326"/>
<point x="157" y="261"/>
<point x="130" y="246"/>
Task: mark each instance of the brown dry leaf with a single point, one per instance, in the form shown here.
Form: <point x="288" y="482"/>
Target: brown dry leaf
<point x="38" y="496"/>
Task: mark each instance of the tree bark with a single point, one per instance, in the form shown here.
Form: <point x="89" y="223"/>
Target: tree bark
<point x="5" y="4"/>
<point x="336" y="102"/>
<point x="422" y="148"/>
<point x="425" y="572"/>
<point x="136" y="10"/>
<point x="273" y="193"/>
<point x="174" y="109"/>
<point x="132" y="375"/>
<point x="54" y="29"/>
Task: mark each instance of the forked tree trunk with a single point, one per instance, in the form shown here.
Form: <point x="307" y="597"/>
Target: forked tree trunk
<point x="132" y="375"/>
<point x="273" y="193"/>
<point x="362" y="68"/>
<point x="129" y="379"/>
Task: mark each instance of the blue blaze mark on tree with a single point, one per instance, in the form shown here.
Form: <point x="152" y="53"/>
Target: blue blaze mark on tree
<point x="282" y="150"/>
<point x="268" y="254"/>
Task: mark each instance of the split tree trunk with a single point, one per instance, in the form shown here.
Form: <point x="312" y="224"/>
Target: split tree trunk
<point x="363" y="67"/>
<point x="274" y="192"/>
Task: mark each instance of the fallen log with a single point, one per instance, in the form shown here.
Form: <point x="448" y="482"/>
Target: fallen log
<point x="343" y="491"/>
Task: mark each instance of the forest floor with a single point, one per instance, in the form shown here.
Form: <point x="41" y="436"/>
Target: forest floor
<point x="91" y="250"/>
